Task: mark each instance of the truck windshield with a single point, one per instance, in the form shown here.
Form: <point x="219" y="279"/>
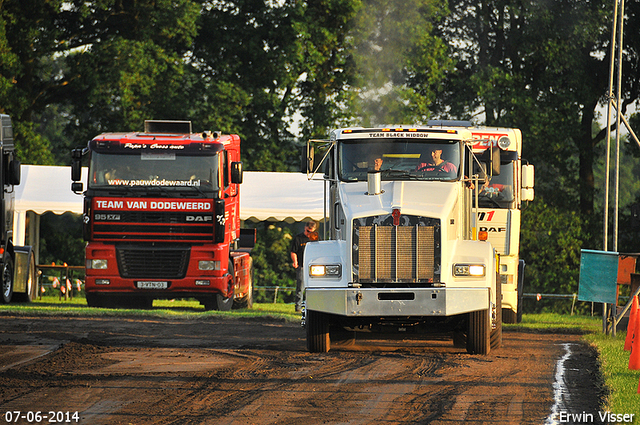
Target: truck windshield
<point x="497" y="191"/>
<point x="399" y="159"/>
<point x="144" y="170"/>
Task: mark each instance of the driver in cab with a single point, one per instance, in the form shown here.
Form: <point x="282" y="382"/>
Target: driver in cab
<point x="436" y="163"/>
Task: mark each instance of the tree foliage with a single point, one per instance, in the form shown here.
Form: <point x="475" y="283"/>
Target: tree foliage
<point x="271" y="256"/>
<point x="278" y="72"/>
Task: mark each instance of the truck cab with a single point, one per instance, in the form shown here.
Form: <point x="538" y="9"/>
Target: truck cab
<point x="161" y="217"/>
<point x="404" y="253"/>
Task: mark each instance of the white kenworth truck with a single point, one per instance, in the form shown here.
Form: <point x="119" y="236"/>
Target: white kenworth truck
<point x="404" y="252"/>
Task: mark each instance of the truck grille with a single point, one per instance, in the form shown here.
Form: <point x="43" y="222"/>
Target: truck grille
<point x="153" y="262"/>
<point x="403" y="255"/>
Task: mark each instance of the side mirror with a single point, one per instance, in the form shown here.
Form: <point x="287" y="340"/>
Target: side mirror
<point x="527" y="183"/>
<point x="236" y="172"/>
<point x="76" y="171"/>
<point x="14" y="172"/>
<point x="76" y="165"/>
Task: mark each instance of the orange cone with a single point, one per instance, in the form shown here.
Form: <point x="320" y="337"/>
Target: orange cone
<point x="631" y="326"/>
<point x="634" y="359"/>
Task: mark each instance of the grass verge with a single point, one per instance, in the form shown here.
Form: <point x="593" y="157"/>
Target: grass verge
<point x="174" y="309"/>
<point x="621" y="382"/>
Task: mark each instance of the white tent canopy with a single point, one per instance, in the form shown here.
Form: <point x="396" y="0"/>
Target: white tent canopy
<point x="280" y="197"/>
<point x="263" y="196"/>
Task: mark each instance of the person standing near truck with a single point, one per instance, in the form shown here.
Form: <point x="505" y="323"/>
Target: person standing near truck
<point x="297" y="252"/>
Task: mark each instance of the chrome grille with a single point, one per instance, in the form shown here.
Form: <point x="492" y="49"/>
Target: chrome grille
<point x="406" y="253"/>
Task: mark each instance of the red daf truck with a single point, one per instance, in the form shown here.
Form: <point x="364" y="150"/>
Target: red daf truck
<point x="162" y="218"/>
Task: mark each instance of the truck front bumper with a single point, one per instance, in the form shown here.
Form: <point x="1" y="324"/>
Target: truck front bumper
<point x="362" y="302"/>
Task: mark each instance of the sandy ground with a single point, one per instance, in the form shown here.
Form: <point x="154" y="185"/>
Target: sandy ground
<point x="238" y="371"/>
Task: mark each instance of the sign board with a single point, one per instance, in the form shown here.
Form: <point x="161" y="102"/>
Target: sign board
<point x="598" y="276"/>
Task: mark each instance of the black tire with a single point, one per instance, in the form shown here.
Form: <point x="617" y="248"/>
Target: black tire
<point x="221" y="303"/>
<point x="509" y="316"/>
<point x="317" y="326"/>
<point x="478" y="336"/>
<point x="7" y="280"/>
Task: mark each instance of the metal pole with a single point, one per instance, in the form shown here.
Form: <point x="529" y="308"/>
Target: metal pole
<point x="619" y="101"/>
<point x="614" y="30"/>
<point x="605" y="232"/>
<point x="617" y="174"/>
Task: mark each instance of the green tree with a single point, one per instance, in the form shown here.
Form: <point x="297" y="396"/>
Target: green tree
<point x="271" y="256"/>
<point x="398" y="60"/>
<point x="539" y="66"/>
<point x="550" y="245"/>
<point x="27" y="33"/>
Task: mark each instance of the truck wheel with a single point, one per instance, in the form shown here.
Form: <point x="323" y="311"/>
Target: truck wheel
<point x="7" y="280"/>
<point x="222" y="303"/>
<point x="509" y="316"/>
<point x="317" y="332"/>
<point x="217" y="302"/>
<point x="478" y="336"/>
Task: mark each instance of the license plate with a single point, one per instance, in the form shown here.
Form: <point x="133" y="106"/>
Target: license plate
<point x="152" y="285"/>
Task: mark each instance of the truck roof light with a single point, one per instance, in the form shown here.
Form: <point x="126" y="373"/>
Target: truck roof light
<point x="348" y="131"/>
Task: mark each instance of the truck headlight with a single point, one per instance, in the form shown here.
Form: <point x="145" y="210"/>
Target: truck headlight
<point x="208" y="265"/>
<point x="475" y="270"/>
<point x="99" y="264"/>
<point x="325" y="270"/>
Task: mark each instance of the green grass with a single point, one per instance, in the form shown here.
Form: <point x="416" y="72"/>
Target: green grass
<point x="175" y="309"/>
<point x="621" y="383"/>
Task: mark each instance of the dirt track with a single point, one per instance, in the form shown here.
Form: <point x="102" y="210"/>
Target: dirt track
<point x="229" y="371"/>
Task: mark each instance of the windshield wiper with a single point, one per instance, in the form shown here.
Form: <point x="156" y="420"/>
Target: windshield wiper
<point x="400" y="173"/>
